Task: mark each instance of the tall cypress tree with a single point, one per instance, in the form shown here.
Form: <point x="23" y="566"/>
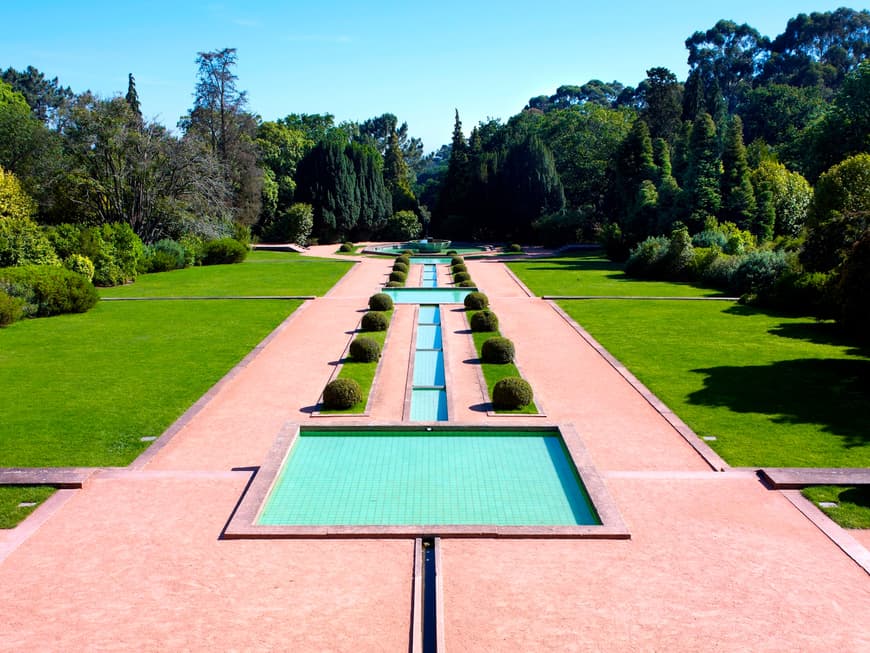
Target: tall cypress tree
<point x="457" y="182"/>
<point x="396" y="176"/>
<point x="738" y="198"/>
<point x="634" y="165"/>
<point x="132" y="97"/>
<point x="668" y="188"/>
<point x="704" y="171"/>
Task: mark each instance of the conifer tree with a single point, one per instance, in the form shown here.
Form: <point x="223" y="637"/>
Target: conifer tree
<point x="738" y="198"/>
<point x="634" y="165"/>
<point x="704" y="171"/>
<point x="132" y="97"/>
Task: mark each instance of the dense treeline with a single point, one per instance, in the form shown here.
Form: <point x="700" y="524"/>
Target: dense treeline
<point x="709" y="178"/>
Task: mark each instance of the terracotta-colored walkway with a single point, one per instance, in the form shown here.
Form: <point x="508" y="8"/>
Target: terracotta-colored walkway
<point x="134" y="561"/>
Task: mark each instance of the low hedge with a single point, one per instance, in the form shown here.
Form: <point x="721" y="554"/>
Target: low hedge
<point x="484" y="321"/>
<point x="11" y="309"/>
<point x="497" y="350"/>
<point x="340" y="394"/>
<point x="380" y="302"/>
<point x="364" y="350"/>
<point x="48" y="290"/>
<point x="476" y="301"/>
<point x="374" y="321"/>
<point x="511" y="393"/>
<point x="223" y="251"/>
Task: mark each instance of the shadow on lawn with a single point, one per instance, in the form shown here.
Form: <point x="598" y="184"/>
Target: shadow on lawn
<point x="831" y="392"/>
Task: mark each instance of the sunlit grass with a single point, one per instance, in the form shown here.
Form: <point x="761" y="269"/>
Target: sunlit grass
<point x="11" y="513"/>
<point x="853" y="503"/>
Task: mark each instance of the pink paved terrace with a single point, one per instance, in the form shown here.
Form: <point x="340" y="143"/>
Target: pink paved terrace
<point x="716" y="562"/>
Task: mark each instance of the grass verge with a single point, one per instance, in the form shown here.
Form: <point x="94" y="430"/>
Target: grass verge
<point x="82" y="390"/>
<point x="493" y="373"/>
<point x="11" y="513"/>
<point x="853" y="503"/>
<point x="262" y="273"/>
<point x="592" y="274"/>
<point x="362" y="373"/>
<point x="774" y="391"/>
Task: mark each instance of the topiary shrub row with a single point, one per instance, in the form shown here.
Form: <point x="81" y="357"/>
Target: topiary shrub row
<point x="476" y="301"/>
<point x="484" y="321"/>
<point x="457" y="260"/>
<point x="394" y="284"/>
<point x="380" y="302"/>
<point x="459" y="277"/>
<point x="374" y="321"/>
<point x="341" y="394"/>
<point x="48" y="290"/>
<point x="364" y="350"/>
<point x="511" y="393"/>
<point x="459" y="267"/>
<point x="497" y="351"/>
<point x="467" y="284"/>
<point x="396" y="275"/>
<point x="400" y="266"/>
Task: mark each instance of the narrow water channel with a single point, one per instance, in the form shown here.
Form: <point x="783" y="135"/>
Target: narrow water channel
<point x="428" y="386"/>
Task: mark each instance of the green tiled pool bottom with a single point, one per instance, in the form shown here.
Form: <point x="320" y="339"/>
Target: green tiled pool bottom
<point x="371" y="477"/>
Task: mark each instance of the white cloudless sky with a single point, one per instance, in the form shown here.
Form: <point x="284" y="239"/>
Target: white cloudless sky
<point x="357" y="60"/>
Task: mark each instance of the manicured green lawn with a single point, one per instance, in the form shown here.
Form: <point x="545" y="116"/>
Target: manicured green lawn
<point x="362" y="373"/>
<point x="81" y="390"/>
<point x="263" y="273"/>
<point x="591" y="274"/>
<point x="10" y="498"/>
<point x="853" y="510"/>
<point x="492" y="373"/>
<point x="775" y="391"/>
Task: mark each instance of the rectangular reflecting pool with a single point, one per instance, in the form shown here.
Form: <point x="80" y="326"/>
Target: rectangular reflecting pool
<point x="446" y="481"/>
<point x="428" y="295"/>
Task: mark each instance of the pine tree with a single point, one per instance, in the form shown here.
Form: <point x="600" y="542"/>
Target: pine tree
<point x="453" y="200"/>
<point x="668" y="189"/>
<point x="396" y="176"/>
<point x="738" y="198"/>
<point x="704" y="171"/>
<point x="634" y="165"/>
<point x="132" y="98"/>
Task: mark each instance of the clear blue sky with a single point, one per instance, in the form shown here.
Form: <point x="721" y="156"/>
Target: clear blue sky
<point x="359" y="59"/>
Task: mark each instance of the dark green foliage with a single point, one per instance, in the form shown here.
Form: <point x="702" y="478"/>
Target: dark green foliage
<point x="400" y="266"/>
<point x="758" y="272"/>
<point x="346" y="247"/>
<point x="703" y="170"/>
<point x="341" y="394"/>
<point x="459" y="277"/>
<point x="853" y="286"/>
<point x="663" y="96"/>
<point x="484" y="321"/>
<point x="451" y="252"/>
<point x="459" y="267"/>
<point x="511" y="393"/>
<point x="48" y="290"/>
<point x="394" y="284"/>
<point x="476" y="301"/>
<point x="738" y="198"/>
<point x="407" y="253"/>
<point x="497" y="350"/>
<point x="380" y="302"/>
<point x="11" y="309"/>
<point x="396" y="275"/>
<point x="223" y="250"/>
<point x="364" y="350"/>
<point x="614" y="242"/>
<point x="647" y="259"/>
<point x="467" y="284"/>
<point x="634" y="164"/>
<point x="163" y="255"/>
<point x="375" y="321"/>
<point x="457" y="260"/>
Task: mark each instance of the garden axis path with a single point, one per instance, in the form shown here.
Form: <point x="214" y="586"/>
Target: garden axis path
<point x="134" y="560"/>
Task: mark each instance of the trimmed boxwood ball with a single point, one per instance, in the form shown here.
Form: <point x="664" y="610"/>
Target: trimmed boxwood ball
<point x="476" y="301"/>
<point x="400" y="266"/>
<point x="380" y="302"/>
<point x="461" y="276"/>
<point x="395" y="275"/>
<point x="374" y="321"/>
<point x="364" y="350"/>
<point x="407" y="252"/>
<point x="514" y="247"/>
<point x="467" y="284"/>
<point x="484" y="321"/>
<point x="459" y="267"/>
<point x="340" y="394"/>
<point x="394" y="284"/>
<point x="346" y="247"/>
<point x="452" y="252"/>
<point x="457" y="260"/>
<point x="511" y="392"/>
<point x="497" y="350"/>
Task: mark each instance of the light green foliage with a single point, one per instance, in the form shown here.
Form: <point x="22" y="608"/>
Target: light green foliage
<point x="790" y="196"/>
<point x="80" y="264"/>
<point x="14" y="201"/>
<point x="403" y="225"/>
<point x="23" y="242"/>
